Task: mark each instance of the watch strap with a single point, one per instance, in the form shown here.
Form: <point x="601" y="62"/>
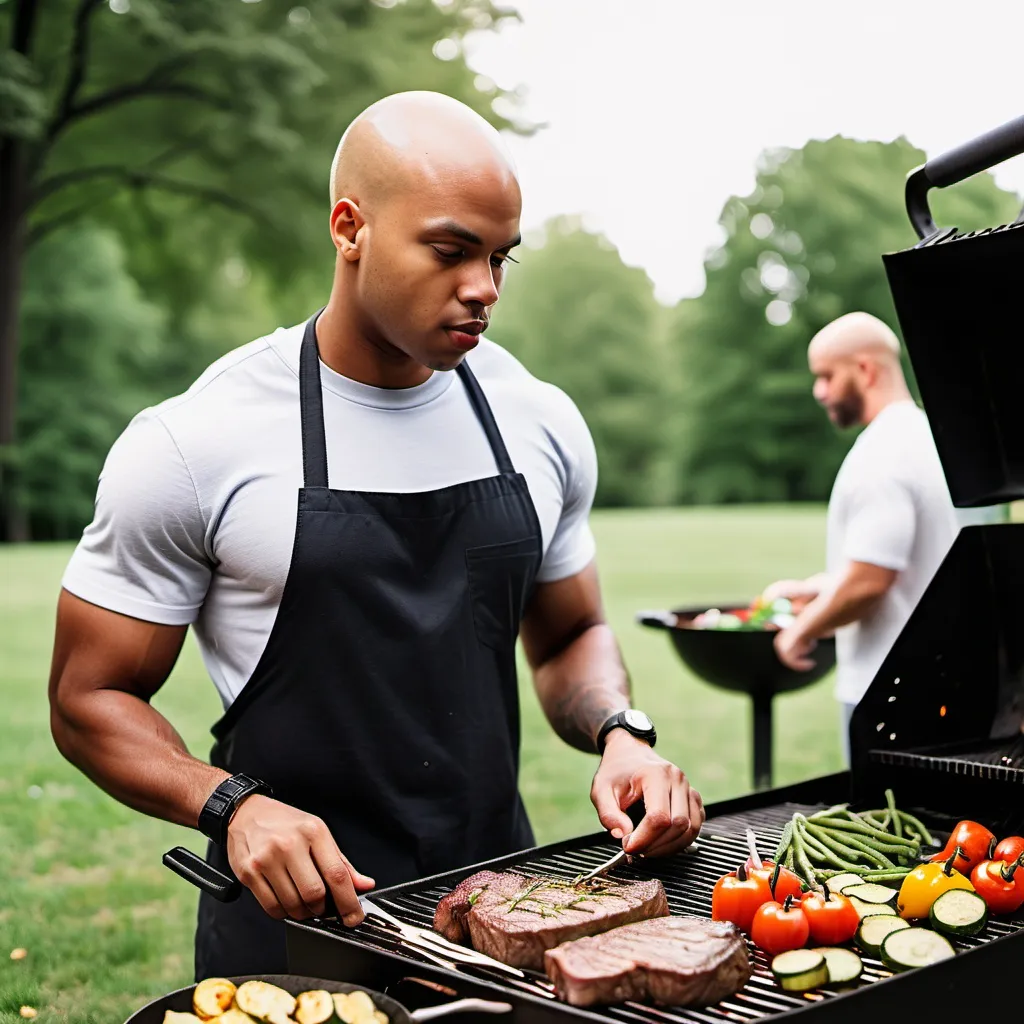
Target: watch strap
<point x="220" y="807"/>
<point x="620" y="721"/>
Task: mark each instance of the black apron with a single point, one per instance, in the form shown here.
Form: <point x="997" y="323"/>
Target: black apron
<point x="386" y="701"/>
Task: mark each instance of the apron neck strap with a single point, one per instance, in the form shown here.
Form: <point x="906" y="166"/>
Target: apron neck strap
<point x="311" y="401"/>
<point x="483" y="412"/>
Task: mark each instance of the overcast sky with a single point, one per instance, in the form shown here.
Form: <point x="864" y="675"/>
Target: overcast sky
<point x="658" y="109"/>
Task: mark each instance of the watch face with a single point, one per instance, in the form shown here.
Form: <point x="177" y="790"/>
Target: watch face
<point x="638" y="720"/>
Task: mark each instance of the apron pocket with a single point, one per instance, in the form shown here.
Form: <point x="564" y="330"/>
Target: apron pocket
<point x="500" y="579"/>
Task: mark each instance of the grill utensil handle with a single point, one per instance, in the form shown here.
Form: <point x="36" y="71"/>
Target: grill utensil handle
<point x="459" y="1006"/>
<point x="988" y="150"/>
<point x="219" y="884"/>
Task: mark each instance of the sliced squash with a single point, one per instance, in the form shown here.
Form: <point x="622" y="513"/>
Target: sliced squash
<point x="173" y="1017"/>
<point x="233" y="1016"/>
<point x="212" y="997"/>
<point x="356" y="1008"/>
<point x="314" y="1007"/>
<point x="264" y="1001"/>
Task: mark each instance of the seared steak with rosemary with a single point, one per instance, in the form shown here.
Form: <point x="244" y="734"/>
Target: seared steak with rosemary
<point x="515" y="918"/>
<point x="675" y="961"/>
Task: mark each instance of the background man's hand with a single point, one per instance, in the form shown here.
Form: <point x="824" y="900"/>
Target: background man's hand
<point x="793" y="648"/>
<point x="289" y="859"/>
<point x="631" y="770"/>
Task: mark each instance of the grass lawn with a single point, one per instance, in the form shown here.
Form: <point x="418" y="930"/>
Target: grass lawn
<point x="107" y="927"/>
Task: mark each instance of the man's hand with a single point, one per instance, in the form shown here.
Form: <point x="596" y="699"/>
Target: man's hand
<point x="793" y="647"/>
<point x="631" y="770"/>
<point x="289" y="858"/>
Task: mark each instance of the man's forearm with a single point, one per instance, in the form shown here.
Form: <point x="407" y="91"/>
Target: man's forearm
<point x="582" y="686"/>
<point x="849" y="602"/>
<point x="132" y="752"/>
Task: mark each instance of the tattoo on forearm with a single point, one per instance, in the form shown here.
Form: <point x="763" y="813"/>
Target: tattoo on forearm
<point x="578" y="714"/>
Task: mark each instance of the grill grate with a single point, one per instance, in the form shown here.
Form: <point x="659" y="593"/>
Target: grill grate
<point x="688" y="880"/>
<point x="1000" y="761"/>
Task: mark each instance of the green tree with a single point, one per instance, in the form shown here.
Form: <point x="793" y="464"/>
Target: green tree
<point x="578" y="317"/>
<point x="802" y="249"/>
<point x="202" y="132"/>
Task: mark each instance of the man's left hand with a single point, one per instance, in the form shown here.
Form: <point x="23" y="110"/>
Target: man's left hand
<point x="631" y="770"/>
<point x="793" y="648"/>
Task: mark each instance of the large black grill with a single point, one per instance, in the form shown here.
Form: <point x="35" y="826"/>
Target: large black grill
<point x="376" y="956"/>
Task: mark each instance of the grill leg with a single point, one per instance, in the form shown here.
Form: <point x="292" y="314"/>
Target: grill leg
<point x="762" y="707"/>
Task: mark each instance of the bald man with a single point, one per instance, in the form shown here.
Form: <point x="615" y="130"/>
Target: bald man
<point x="890" y="517"/>
<point x="358" y="516"/>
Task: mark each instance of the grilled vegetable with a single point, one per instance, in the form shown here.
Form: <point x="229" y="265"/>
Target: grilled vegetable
<point x="779" y="927"/>
<point x="974" y="842"/>
<point x="915" y="947"/>
<point x="264" y="1001"/>
<point x="800" y="969"/>
<point x="926" y="883"/>
<point x="236" y="1016"/>
<point x="839" y="881"/>
<point x="831" y="917"/>
<point x="1009" y="849"/>
<point x="357" y="1008"/>
<point x="872" y="909"/>
<point x="173" y="1017"/>
<point x="844" y="966"/>
<point x="314" y="1007"/>
<point x="874" y="929"/>
<point x="1000" y="885"/>
<point x="958" y="912"/>
<point x="736" y="897"/>
<point x="871" y="892"/>
<point x="212" y="997"/>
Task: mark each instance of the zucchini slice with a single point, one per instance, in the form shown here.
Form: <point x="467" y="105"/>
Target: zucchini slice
<point x="869" y="909"/>
<point x="838" y="882"/>
<point x="264" y="1001"/>
<point x="213" y="997"/>
<point x="800" y="969"/>
<point x="959" y="912"/>
<point x="915" y="947"/>
<point x="314" y="1007"/>
<point x="174" y="1017"/>
<point x="844" y="966"/>
<point x="357" y="1008"/>
<point x="871" y="892"/>
<point x="874" y="929"/>
<point x="234" y="1016"/>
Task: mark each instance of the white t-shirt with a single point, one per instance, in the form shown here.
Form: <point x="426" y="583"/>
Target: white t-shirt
<point x="890" y="506"/>
<point x="196" y="504"/>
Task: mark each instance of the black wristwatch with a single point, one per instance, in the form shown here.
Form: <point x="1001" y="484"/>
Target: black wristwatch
<point x="633" y="721"/>
<point x="224" y="800"/>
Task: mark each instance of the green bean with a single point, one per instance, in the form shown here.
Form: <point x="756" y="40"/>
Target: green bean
<point x="896" y="826"/>
<point x="828" y="812"/>
<point x="805" y="868"/>
<point x="789" y="858"/>
<point x="784" y="841"/>
<point x="915" y="823"/>
<point x="818" y="851"/>
<point x="855" y="854"/>
<point x="862" y="828"/>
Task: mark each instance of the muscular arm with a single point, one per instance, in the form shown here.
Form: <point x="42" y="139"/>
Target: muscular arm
<point x="106" y="668"/>
<point x="857" y="594"/>
<point x="577" y="667"/>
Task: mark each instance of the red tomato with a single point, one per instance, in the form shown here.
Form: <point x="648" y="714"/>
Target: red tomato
<point x="779" y="927"/>
<point x="787" y="883"/>
<point x="1009" y="849"/>
<point x="1000" y="884"/>
<point x="975" y="841"/>
<point x="832" y="917"/>
<point x="737" y="896"/>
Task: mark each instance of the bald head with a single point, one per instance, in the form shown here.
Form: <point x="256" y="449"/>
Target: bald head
<point x="856" y="365"/>
<point x="854" y="335"/>
<point x="411" y="140"/>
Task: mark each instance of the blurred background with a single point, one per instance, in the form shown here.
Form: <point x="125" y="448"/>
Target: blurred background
<point x="705" y="187"/>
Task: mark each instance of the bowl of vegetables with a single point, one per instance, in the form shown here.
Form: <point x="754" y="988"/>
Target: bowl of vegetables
<point x="731" y="646"/>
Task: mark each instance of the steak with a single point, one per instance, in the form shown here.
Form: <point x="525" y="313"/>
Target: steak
<point x="515" y="918"/>
<point x="675" y="961"/>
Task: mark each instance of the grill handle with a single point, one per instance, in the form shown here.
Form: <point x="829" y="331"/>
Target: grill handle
<point x="459" y="1006"/>
<point x="988" y="150"/>
<point x="219" y="884"/>
<point x="657" y="619"/>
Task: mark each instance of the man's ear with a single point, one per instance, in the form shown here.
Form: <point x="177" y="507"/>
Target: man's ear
<point x="346" y="222"/>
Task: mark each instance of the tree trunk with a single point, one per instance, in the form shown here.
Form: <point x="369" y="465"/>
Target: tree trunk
<point x="13" y="521"/>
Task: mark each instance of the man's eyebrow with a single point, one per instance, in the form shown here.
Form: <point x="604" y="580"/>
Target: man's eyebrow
<point x="452" y="227"/>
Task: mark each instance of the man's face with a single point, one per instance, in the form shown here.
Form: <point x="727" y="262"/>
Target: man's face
<point x="838" y="388"/>
<point x="432" y="263"/>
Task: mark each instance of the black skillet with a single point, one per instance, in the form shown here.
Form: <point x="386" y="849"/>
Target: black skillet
<point x="181" y="1000"/>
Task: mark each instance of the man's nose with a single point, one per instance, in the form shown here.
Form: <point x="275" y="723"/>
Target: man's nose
<point x="479" y="288"/>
